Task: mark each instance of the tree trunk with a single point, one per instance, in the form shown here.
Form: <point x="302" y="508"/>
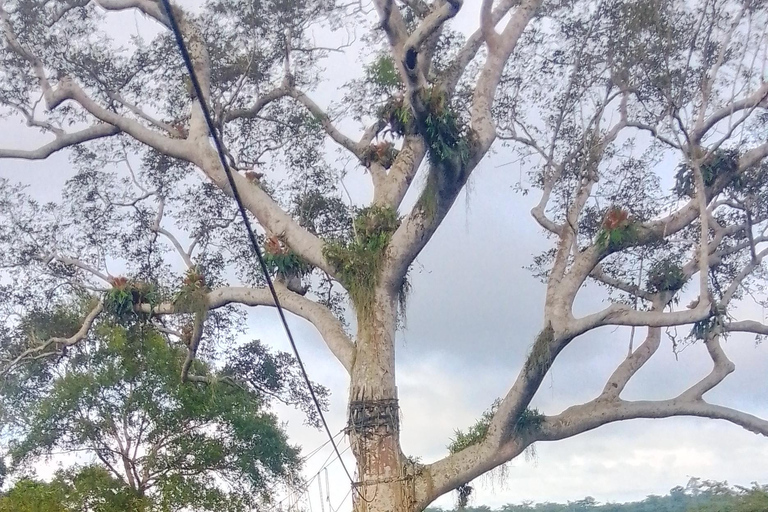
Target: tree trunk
<point x="374" y="426"/>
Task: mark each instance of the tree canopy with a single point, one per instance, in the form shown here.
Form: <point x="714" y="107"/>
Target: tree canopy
<point x="116" y="401"/>
<point x="640" y="127"/>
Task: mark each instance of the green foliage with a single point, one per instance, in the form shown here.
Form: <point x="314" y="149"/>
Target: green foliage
<point x="88" y="488"/>
<point x="616" y="238"/>
<point x="398" y="115"/>
<point x="702" y="329"/>
<point x="95" y="488"/>
<point x="383" y="73"/>
<point x="282" y="261"/>
<point x="121" y="300"/>
<point x="476" y="433"/>
<point x="666" y="276"/>
<point x="288" y="263"/>
<point x="189" y="436"/>
<point x="616" y="231"/>
<point x="29" y="495"/>
<point x="448" y="138"/>
<point x="721" y="162"/>
<point x="528" y="421"/>
<point x="193" y="295"/>
<point x="753" y="499"/>
<point x="60" y="322"/>
<point x="358" y="262"/>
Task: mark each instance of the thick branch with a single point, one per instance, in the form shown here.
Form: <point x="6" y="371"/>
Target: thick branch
<point x="485" y="91"/>
<point x="401" y="174"/>
<point x="432" y="23"/>
<point x="193" y="344"/>
<point x="269" y="214"/>
<point x="329" y="327"/>
<point x="98" y="131"/>
<point x="752" y="326"/>
<point x="582" y="418"/>
<point x="176" y="148"/>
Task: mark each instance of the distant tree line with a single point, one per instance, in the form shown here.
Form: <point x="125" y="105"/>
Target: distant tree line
<point x="697" y="496"/>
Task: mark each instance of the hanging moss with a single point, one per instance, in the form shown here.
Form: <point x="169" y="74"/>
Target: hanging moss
<point x="541" y="353"/>
<point x="358" y="262"/>
<point x="465" y="491"/>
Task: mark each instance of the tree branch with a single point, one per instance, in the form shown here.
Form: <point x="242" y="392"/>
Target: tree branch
<point x="98" y="131"/>
<point x="344" y="141"/>
<point x="258" y="106"/>
<point x="58" y="343"/>
<point x="582" y="418"/>
<point x="266" y="210"/>
<point x="329" y="327"/>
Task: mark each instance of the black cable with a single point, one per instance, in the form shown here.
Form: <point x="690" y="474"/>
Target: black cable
<point x="244" y="215"/>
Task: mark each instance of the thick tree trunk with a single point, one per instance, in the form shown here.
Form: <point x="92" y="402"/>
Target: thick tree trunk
<point x="374" y="427"/>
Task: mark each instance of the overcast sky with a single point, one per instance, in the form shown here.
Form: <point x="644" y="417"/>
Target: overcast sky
<point x="472" y="315"/>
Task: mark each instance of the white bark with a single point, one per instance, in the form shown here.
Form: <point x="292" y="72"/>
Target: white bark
<point x="329" y="327"/>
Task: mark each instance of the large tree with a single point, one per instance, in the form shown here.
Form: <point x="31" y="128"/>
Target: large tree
<point x="641" y="124"/>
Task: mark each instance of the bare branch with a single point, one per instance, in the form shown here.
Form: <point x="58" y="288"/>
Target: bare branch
<point x="258" y="106"/>
<point x="752" y="101"/>
<point x="633" y="289"/>
<point x="591" y="415"/>
<point x="485" y="91"/>
<point x="747" y="326"/>
<point x="57" y="343"/>
<point x="143" y="115"/>
<point x="318" y="315"/>
<point x="98" y="131"/>
<point x="186" y="256"/>
<point x="193" y="344"/>
<point x="148" y="7"/>
<point x="401" y="174"/>
<point x="629" y="367"/>
<point x="392" y="23"/>
<point x="722" y="367"/>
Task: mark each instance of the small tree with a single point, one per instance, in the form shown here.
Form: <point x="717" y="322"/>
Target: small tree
<point x="603" y="101"/>
<point x="117" y="399"/>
